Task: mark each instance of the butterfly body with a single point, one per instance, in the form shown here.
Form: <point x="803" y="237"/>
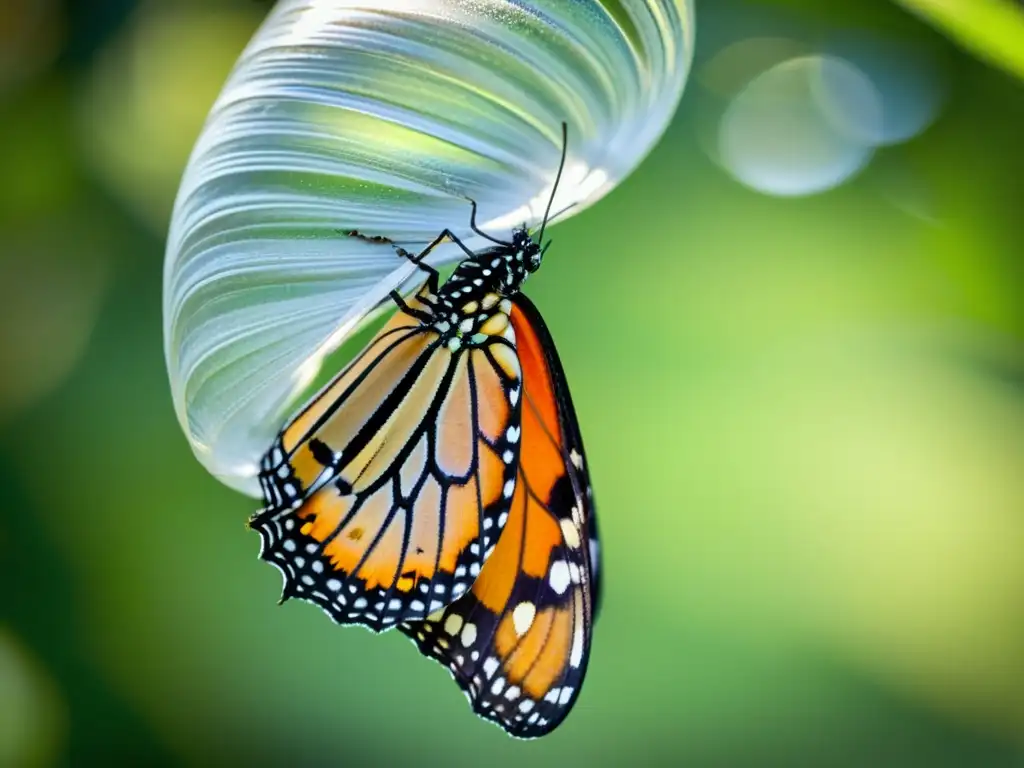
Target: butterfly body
<point x="438" y="484"/>
<point x="473" y="302"/>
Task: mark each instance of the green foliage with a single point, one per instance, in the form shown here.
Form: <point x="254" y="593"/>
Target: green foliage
<point x="993" y="30"/>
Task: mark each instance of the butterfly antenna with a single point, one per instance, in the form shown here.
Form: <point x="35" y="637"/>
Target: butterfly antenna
<point x="558" y="178"/>
<point x="560" y="211"/>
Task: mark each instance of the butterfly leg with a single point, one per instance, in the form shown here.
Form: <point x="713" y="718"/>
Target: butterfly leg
<point x="417" y="259"/>
<point x="423" y="317"/>
<point x="433" y="280"/>
<point x="446" y="234"/>
<point x="379" y="239"/>
<point x="476" y="229"/>
<point x="435" y="277"/>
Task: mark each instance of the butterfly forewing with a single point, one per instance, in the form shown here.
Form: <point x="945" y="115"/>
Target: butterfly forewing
<point x="387" y="493"/>
<point x="518" y="642"/>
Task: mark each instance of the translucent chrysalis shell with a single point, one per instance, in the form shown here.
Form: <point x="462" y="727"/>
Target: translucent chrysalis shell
<point x="384" y="117"/>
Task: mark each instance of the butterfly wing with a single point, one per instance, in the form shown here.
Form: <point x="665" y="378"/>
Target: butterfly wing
<point x="386" y="494"/>
<point x="518" y="642"/>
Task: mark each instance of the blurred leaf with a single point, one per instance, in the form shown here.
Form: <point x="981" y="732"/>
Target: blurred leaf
<point x="991" y="29"/>
<point x="32" y="715"/>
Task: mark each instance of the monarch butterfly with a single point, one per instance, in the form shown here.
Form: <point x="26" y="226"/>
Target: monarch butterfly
<point x="439" y="484"/>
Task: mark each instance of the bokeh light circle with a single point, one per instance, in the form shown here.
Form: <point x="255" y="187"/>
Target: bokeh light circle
<point x="788" y="132"/>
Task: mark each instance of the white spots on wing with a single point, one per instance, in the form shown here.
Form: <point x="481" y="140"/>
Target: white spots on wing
<point x="525" y="706"/>
<point x="307" y="580"/>
<point x="570" y="533"/>
<point x="510" y="486"/>
<point x="439" y="589"/>
<point x="461" y="570"/>
<point x="490" y="666"/>
<point x="474" y="655"/>
<point x="436" y="605"/>
<point x="453" y="624"/>
<point x="513" y="395"/>
<point x="574" y="573"/>
<point x="334" y="585"/>
<point x="395" y="604"/>
<point x="559" y="578"/>
<point x="533" y="718"/>
<point x="458" y="589"/>
<point x="417" y="605"/>
<point x="552" y="695"/>
<point x="507" y="457"/>
<point x="360" y="603"/>
<point x="564" y="697"/>
<point x="289" y="545"/>
<point x="466" y="325"/>
<point x="318" y="566"/>
<point x="522" y="617"/>
<point x="454" y="343"/>
<point x="576" y="458"/>
<point x="468" y="635"/>
<point x="424" y="586"/>
<point x="577" y="515"/>
<point x="300" y="561"/>
<point x="512" y="434"/>
<point x="497" y="686"/>
<point x="474" y="569"/>
<point x="576" y="654"/>
<point x="512" y="693"/>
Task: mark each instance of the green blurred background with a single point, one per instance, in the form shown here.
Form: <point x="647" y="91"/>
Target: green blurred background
<point x="805" y="421"/>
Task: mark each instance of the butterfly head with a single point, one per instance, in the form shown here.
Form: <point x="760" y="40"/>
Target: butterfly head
<point x="529" y="252"/>
<point x="516" y="261"/>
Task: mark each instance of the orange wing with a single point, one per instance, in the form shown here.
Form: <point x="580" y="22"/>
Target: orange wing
<point x="386" y="494"/>
<point x="519" y="641"/>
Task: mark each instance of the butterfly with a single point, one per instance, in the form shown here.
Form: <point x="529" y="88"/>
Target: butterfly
<point x="439" y="485"/>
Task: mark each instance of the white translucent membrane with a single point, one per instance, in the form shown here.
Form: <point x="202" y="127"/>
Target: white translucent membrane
<point x="784" y="133"/>
<point x="383" y="117"/>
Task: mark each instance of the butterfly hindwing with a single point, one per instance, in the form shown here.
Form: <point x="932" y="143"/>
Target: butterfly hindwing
<point x="387" y="493"/>
<point x="519" y="641"/>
